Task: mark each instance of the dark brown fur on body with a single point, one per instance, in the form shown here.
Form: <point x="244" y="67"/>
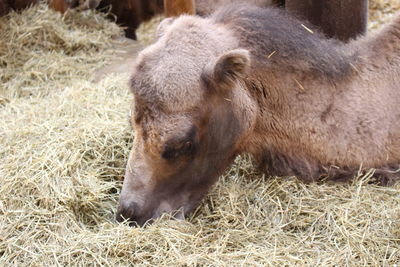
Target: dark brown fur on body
<point x="252" y="80"/>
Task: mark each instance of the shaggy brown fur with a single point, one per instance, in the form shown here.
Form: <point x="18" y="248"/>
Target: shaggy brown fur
<point x="251" y="80"/>
<point x="131" y="13"/>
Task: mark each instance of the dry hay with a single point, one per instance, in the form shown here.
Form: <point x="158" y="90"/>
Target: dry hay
<point x="64" y="142"/>
<point x="382" y="11"/>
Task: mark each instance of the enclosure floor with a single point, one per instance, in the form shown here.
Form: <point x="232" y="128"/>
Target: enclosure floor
<point x="64" y="141"/>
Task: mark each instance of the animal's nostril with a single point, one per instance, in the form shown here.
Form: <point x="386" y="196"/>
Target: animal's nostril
<point x="120" y="217"/>
<point x="127" y="213"/>
<point x="123" y="214"/>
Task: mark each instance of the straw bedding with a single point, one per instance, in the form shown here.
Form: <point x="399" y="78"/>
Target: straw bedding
<point x="63" y="145"/>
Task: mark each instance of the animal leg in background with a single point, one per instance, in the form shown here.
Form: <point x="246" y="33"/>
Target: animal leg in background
<point x="15" y="4"/>
<point x="59" y="5"/>
<point x="341" y="19"/>
<point x="4" y="7"/>
<point x="174" y="8"/>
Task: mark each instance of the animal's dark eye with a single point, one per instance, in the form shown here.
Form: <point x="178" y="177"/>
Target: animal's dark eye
<point x="188" y="146"/>
<point x="185" y="148"/>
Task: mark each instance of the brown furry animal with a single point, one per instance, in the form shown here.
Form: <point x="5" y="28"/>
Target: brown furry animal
<point x="251" y="80"/>
<point x="128" y="13"/>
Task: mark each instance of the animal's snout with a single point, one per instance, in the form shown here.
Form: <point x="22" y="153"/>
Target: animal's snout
<point x="129" y="212"/>
<point x="136" y="216"/>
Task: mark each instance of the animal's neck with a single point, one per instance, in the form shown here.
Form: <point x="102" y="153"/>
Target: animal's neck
<point x="284" y="101"/>
<point x="295" y="131"/>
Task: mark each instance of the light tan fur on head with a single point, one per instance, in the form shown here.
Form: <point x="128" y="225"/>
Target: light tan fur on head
<point x="177" y="84"/>
<point x="185" y="48"/>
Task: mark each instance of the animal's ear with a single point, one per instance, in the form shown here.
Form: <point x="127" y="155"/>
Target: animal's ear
<point x="229" y="67"/>
<point x="163" y="26"/>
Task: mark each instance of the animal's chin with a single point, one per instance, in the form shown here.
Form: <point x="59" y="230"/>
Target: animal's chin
<point x="169" y="207"/>
<point x="176" y="214"/>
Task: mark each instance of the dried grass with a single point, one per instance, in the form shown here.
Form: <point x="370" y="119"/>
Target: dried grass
<point x="382" y="11"/>
<point x="64" y="142"/>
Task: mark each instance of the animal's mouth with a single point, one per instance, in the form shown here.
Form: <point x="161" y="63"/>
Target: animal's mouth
<point x="132" y="215"/>
<point x="135" y="222"/>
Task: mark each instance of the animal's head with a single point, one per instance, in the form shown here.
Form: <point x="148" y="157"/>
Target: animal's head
<point x="190" y="114"/>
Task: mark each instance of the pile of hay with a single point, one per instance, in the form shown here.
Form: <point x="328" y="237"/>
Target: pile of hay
<point x="382" y="11"/>
<point x="64" y="142"/>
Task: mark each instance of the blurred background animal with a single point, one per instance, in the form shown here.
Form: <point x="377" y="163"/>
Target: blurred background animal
<point x="341" y="19"/>
<point x="8" y="5"/>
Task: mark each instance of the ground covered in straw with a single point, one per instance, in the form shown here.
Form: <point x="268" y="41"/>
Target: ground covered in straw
<point x="63" y="146"/>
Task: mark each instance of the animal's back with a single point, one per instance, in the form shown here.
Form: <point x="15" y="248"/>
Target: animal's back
<point x="296" y="44"/>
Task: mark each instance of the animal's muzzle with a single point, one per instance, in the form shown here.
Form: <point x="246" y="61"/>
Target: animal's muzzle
<point x="129" y="213"/>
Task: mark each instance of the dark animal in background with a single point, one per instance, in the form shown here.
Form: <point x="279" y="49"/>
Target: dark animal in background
<point x="252" y="80"/>
<point x="131" y="13"/>
<point x="4" y="7"/>
<point x="341" y="19"/>
<point x="128" y="13"/>
<point x="8" y="5"/>
<point x="178" y="7"/>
